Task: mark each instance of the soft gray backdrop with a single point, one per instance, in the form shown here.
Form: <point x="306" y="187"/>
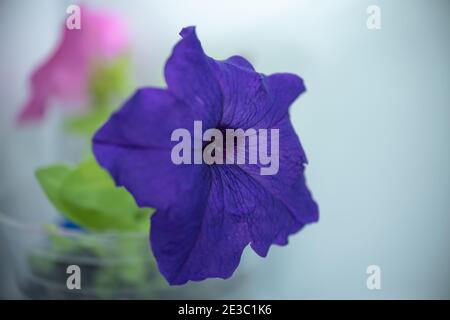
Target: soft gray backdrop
<point x="374" y="123"/>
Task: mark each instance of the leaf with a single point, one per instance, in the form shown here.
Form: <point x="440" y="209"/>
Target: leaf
<point x="88" y="123"/>
<point x="88" y="196"/>
<point x="109" y="84"/>
<point x="51" y="178"/>
<point x="111" y="80"/>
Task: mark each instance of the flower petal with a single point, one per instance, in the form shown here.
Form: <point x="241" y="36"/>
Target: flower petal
<point x="288" y="184"/>
<point x="190" y="78"/>
<point x="269" y="220"/>
<point x="240" y="62"/>
<point x="65" y="75"/>
<point x="251" y="99"/>
<point x="135" y="147"/>
<point x="203" y="242"/>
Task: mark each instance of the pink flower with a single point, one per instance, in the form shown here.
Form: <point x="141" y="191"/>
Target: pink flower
<point x="65" y="76"/>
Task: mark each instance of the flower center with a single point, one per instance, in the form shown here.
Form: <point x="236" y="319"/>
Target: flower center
<point x="216" y="147"/>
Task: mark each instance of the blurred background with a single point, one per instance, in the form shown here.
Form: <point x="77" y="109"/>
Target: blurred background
<point x="374" y="123"/>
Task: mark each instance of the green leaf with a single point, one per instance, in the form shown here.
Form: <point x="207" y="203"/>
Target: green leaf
<point x="109" y="84"/>
<point x="88" y="196"/>
<point x="88" y="123"/>
<point x="111" y="80"/>
<point x="51" y="179"/>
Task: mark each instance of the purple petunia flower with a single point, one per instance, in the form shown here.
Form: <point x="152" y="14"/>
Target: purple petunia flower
<point x="207" y="214"/>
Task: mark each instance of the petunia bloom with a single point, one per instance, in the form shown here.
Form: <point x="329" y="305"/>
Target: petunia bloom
<point x="207" y="214"/>
<point x="65" y="76"/>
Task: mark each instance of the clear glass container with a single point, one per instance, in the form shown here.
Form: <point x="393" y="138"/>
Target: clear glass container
<point x="112" y="265"/>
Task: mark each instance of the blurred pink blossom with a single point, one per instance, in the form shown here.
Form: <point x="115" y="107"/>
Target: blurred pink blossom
<point x="64" y="77"/>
